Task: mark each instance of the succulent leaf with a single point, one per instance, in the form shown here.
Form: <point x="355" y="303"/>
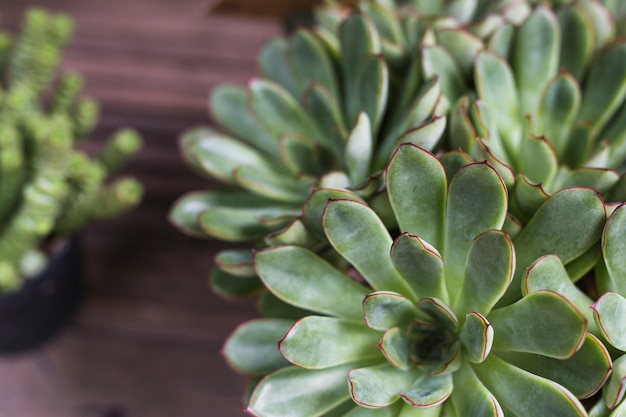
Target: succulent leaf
<point x="609" y="311"/>
<point x="428" y="391"/>
<point x="611" y="277"/>
<point x="380" y="385"/>
<point x="476" y="337"/>
<point x="476" y="400"/>
<point x="384" y="310"/>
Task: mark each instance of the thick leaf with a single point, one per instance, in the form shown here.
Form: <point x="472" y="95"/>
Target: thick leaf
<point x="381" y="385"/>
<point x="476" y="337"/>
<point x="543" y="322"/>
<point x="232" y="286"/>
<point x="229" y="108"/>
<point x="305" y="280"/>
<point x="253" y="347"/>
<point x="238" y="262"/>
<point x="615" y="387"/>
<point x="577" y="50"/>
<point x="359" y="148"/>
<point x="324" y="109"/>
<point x="439" y="312"/>
<point x="384" y="310"/>
<point x="397" y="348"/>
<point x="496" y="88"/>
<point x="477" y="202"/>
<point x="462" y="45"/>
<point x="416" y="183"/>
<point x="501" y="41"/>
<point x="316" y="204"/>
<point x="185" y="211"/>
<point x="322" y="342"/>
<point x="481" y="152"/>
<point x="471" y="397"/>
<point x="613" y="250"/>
<point x="461" y="132"/>
<point x="583" y="374"/>
<point x="609" y="312"/>
<point x="300" y="155"/>
<point x="297" y="392"/>
<point x="453" y="161"/>
<point x="438" y="61"/>
<point x="372" y="91"/>
<point x="488" y="273"/>
<point x="601" y="180"/>
<point x="558" y="107"/>
<point x="426" y="135"/>
<point x="526" y="198"/>
<point x="311" y="62"/>
<point x="420" y="265"/>
<point x="566" y="225"/>
<point x="429" y="390"/>
<point x="274" y="185"/>
<point x="295" y="233"/>
<point x="537" y="160"/>
<point x="271" y="306"/>
<point x="274" y="64"/>
<point x="358" y="411"/>
<point x="526" y="394"/>
<point x="355" y="231"/>
<point x="536" y="56"/>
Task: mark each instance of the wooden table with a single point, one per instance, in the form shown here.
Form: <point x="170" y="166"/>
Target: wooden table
<point x="147" y="341"/>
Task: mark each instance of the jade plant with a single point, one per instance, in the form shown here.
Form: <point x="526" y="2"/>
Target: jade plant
<point x="49" y="187"/>
<point x="418" y="322"/>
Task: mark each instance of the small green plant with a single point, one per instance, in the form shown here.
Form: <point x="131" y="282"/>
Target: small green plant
<point x="48" y="186"/>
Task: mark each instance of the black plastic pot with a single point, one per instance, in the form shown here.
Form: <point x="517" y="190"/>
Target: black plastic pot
<point x="33" y="315"/>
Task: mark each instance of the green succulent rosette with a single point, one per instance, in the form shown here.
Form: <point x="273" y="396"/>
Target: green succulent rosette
<point x="550" y="105"/>
<point x="416" y="325"/>
<point x="48" y="186"/>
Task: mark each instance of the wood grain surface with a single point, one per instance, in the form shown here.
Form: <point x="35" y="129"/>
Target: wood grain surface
<point x="147" y="340"/>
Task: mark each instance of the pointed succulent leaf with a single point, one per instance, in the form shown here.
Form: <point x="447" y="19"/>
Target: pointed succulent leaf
<point x="566" y="225"/>
<point x="359" y="148"/>
<point x="380" y="385"/>
<point x="513" y="387"/>
<point x="396" y="348"/>
<point x="462" y="45"/>
<point x="476" y="337"/>
<point x="426" y="135"/>
<point x="536" y="56"/>
<point x="416" y="184"/>
<point x="543" y="322"/>
<point x="488" y="272"/>
<point x="477" y="202"/>
<point x="609" y="312"/>
<point x="475" y="399"/>
<point x="305" y="280"/>
<point x="384" y="310"/>
<point x="613" y="250"/>
<point x="615" y="387"/>
<point x="232" y="286"/>
<point x="316" y="204"/>
<point x="229" y="107"/>
<point x="437" y="61"/>
<point x="238" y="262"/>
<point x="310" y="61"/>
<point x="576" y="52"/>
<point x="428" y="390"/>
<point x="356" y="232"/>
<point x="420" y="265"/>
<point x="583" y="374"/>
<point x="297" y="392"/>
<point x="496" y="88"/>
<point x="605" y="87"/>
<point x="316" y="342"/>
<point x="252" y="347"/>
<point x="558" y="107"/>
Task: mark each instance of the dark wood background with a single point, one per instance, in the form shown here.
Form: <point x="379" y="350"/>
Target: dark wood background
<point x="147" y="341"/>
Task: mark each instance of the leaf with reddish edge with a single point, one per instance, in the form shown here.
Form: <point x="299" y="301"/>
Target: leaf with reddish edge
<point x="614" y="389"/>
<point x="526" y="394"/>
<point x="613" y="250"/>
<point x="609" y="312"/>
<point x="429" y="391"/>
<point x="476" y="337"/>
<point x="472" y="398"/>
<point x="395" y="346"/>
<point x="438" y="312"/>
<point x="384" y="310"/>
<point x="543" y="322"/>
<point x="420" y="265"/>
<point x="358" y="150"/>
<point x="315" y="205"/>
<point x="380" y="386"/>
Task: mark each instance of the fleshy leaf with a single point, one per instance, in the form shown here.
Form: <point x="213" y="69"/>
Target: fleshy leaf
<point x="615" y="387"/>
<point x="462" y="45"/>
<point x="252" y="348"/>
<point x="381" y="385"/>
<point x="583" y="374"/>
<point x="273" y="185"/>
<point x="429" y="390"/>
<point x="437" y="61"/>
<point x="488" y="272"/>
<point x="609" y="312"/>
<point x="476" y="337"/>
<point x="295" y="233"/>
<point x="236" y="262"/>
<point x="537" y="160"/>
<point x="416" y="184"/>
<point x="474" y="399"/>
<point x="526" y="394"/>
<point x="384" y="310"/>
<point x="396" y="348"/>
<point x="613" y="250"/>
<point x="297" y="392"/>
<point x="372" y="90"/>
<point x="356" y="232"/>
<point x="316" y="342"/>
<point x="316" y="204"/>
<point x="305" y="280"/>
<point x="543" y="322"/>
<point x="271" y="306"/>
<point x="526" y="198"/>
<point x="575" y="53"/>
<point x="359" y="147"/>
<point x="232" y="286"/>
<point x="426" y="135"/>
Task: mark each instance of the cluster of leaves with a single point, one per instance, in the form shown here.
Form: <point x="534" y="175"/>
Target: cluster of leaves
<point x="49" y="187"/>
<point x="487" y="278"/>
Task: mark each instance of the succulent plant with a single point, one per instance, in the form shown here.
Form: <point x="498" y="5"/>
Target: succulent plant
<point x="48" y="186"/>
<point x="419" y="325"/>
<point x="550" y="105"/>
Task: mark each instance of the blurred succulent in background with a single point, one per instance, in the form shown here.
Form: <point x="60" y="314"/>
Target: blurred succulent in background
<point x="419" y="325"/>
<point x="48" y="187"/>
<point x="550" y="105"/>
